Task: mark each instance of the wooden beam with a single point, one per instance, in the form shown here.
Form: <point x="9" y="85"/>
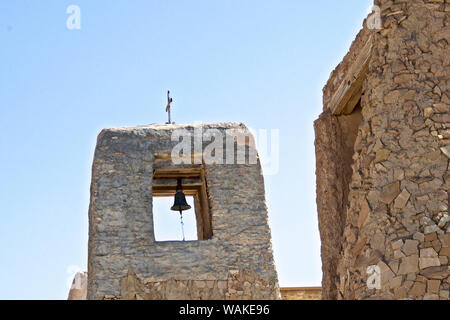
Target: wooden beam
<point x="190" y="173"/>
<point x="173" y="182"/>
<point x="199" y="218"/>
<point x="206" y="210"/>
<point x="348" y="93"/>
<point x="169" y="191"/>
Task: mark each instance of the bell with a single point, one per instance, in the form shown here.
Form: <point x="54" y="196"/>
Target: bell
<point x="180" y="203"/>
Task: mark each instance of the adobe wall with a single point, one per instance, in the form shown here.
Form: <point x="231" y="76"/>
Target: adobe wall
<point x="125" y="261"/>
<point x="335" y="138"/>
<point x="394" y="212"/>
<point x="78" y="289"/>
<point x="308" y="293"/>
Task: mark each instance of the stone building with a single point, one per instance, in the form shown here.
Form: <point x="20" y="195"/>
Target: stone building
<point x="232" y="258"/>
<point x="78" y="289"/>
<point x="382" y="152"/>
<point x="303" y="293"/>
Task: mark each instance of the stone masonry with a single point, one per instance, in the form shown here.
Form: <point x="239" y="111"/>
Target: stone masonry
<point x="383" y="149"/>
<point x="78" y="290"/>
<point x="304" y="293"/>
<point x="233" y="258"/>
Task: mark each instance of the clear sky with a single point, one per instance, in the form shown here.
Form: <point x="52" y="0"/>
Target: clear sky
<point x="260" y="62"/>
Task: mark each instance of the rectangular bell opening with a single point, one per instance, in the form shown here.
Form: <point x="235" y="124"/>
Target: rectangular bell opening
<point x="167" y="223"/>
<point x="194" y="187"/>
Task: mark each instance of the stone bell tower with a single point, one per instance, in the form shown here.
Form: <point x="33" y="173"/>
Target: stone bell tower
<point x="232" y="258"/>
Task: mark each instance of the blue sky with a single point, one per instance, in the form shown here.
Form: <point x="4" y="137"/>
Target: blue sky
<point x="260" y="62"/>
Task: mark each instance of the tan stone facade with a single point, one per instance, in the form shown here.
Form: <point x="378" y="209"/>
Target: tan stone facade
<point x="382" y="147"/>
<point x="196" y="290"/>
<point x="78" y="290"/>
<point x="232" y="258"/>
<point x="305" y="293"/>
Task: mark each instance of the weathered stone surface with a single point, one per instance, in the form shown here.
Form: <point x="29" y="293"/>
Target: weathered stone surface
<point x="445" y="240"/>
<point x="392" y="97"/>
<point x="397" y="244"/>
<point x="432" y="229"/>
<point x="359" y="246"/>
<point x="430" y="296"/>
<point x="439" y="273"/>
<point x="398" y="254"/>
<point x="390" y="192"/>
<point x="444" y="294"/>
<point x="411" y="247"/>
<point x="237" y="287"/>
<point x="428" y="253"/>
<point x="446" y="150"/>
<point x="433" y="286"/>
<point x="313" y="293"/>
<point x="78" y="290"/>
<point x="396" y="282"/>
<point x="334" y="148"/>
<point x="364" y="213"/>
<point x="444" y="220"/>
<point x="382" y="155"/>
<point x="445" y="252"/>
<point x="400" y="293"/>
<point x="387" y="275"/>
<point x="418" y="289"/>
<point x="428" y="258"/>
<point x="419" y="236"/>
<point x="402" y="199"/>
<point x="428" y="112"/>
<point x="409" y="265"/>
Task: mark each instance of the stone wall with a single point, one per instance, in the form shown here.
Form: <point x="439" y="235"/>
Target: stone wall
<point x="125" y="261"/>
<point x="394" y="212"/>
<point x="239" y="286"/>
<point x="335" y="137"/>
<point x="312" y="293"/>
<point x="78" y="289"/>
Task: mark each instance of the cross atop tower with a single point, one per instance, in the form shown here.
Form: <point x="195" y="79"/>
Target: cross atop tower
<point x="169" y="102"/>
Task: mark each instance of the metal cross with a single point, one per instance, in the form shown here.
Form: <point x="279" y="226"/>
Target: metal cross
<point x="169" y="102"/>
